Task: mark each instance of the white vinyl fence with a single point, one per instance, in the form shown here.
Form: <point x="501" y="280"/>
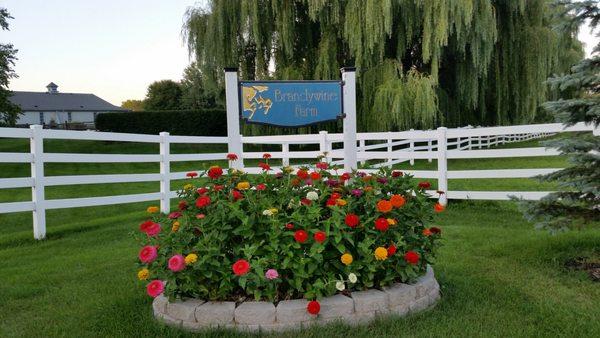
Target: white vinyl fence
<point x="388" y="147"/>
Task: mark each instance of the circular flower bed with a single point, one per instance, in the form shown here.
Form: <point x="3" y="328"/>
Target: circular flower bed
<point x="305" y="233"/>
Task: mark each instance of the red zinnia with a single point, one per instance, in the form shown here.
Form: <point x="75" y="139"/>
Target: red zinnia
<point x="345" y="177"/>
<point x="391" y="250"/>
<point x="182" y="205"/>
<point x="150" y="228"/>
<point x="331" y="202"/>
<point x="215" y="172"/>
<point x="320" y="237"/>
<point x="236" y="195"/>
<point x="302" y="174"/>
<point x="438" y="207"/>
<point x="336" y="196"/>
<point x="300" y="236"/>
<point x="202" y="191"/>
<point x="411" y="257"/>
<point x="217" y="187"/>
<point x="191" y="174"/>
<point x="315" y="176"/>
<point x="240" y="267"/>
<point x="424" y="185"/>
<point x="306" y="201"/>
<point x="264" y="166"/>
<point x="435" y="230"/>
<point x="381" y="224"/>
<point x="232" y="157"/>
<point x="289" y="226"/>
<point x="266" y="156"/>
<point x="313" y="307"/>
<point x="261" y="187"/>
<point x="321" y="165"/>
<point x="202" y="201"/>
<point x="396" y="173"/>
<point x="352" y="220"/>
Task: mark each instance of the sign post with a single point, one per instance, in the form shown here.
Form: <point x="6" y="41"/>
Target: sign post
<point x="350" y="149"/>
<point x="233" y="114"/>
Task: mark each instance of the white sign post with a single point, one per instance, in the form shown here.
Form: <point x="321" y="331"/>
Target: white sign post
<point x="350" y="149"/>
<point x="233" y="116"/>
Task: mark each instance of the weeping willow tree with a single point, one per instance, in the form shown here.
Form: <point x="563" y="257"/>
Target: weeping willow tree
<point x="420" y="63"/>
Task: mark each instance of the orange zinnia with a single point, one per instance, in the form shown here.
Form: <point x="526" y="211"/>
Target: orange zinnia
<point x="397" y="201"/>
<point x="384" y="206"/>
<point x="438" y="207"/>
<point x="427" y="232"/>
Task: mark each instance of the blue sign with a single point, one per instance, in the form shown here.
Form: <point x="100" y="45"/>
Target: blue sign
<point x="290" y="103"/>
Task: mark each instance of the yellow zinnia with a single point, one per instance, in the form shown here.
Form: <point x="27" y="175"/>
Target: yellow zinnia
<point x="191" y="259"/>
<point x="381" y="254"/>
<point x="391" y="221"/>
<point x="188" y="187"/>
<point x="245" y="185"/>
<point x="273" y="211"/>
<point x="347" y="259"/>
<point x="143" y="274"/>
<point x="175" y="226"/>
<point x="340" y="202"/>
<point x="152" y="209"/>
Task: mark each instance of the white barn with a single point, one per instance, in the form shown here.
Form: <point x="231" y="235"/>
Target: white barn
<point x="54" y="108"/>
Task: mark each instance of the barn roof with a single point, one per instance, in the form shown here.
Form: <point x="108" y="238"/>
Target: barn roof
<point x="44" y="101"/>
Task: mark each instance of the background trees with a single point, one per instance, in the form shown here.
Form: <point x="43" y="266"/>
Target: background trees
<point x="420" y="63"/>
<point x="8" y="111"/>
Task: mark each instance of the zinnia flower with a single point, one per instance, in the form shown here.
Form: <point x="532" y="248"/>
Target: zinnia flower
<point x="302" y="174"/>
<point x="155" y="288"/>
<point x="427" y="232"/>
<point x="391" y="250"/>
<point x="352" y="220"/>
<point x="347" y="259"/>
<point x="182" y="205"/>
<point x="176" y="263"/>
<point x="321" y="165"/>
<point x="357" y="192"/>
<point x="313" y="307"/>
<point x="396" y="173"/>
<point x="240" y="267"/>
<point x="232" y="157"/>
<point x="384" y="206"/>
<point x="266" y="156"/>
<point x="174" y="215"/>
<point x="267" y="212"/>
<point x="175" y="226"/>
<point x="382" y="180"/>
<point x="341" y="202"/>
<point x="202" y="191"/>
<point x="148" y="254"/>
<point x="300" y="236"/>
<point x="381" y="224"/>
<point x="315" y="176"/>
<point x="243" y="185"/>
<point x="150" y="228"/>
<point x="271" y="274"/>
<point x="191" y="259"/>
<point x="391" y="221"/>
<point x="306" y="201"/>
<point x="143" y="274"/>
<point x="152" y="209"/>
<point x="312" y="195"/>
<point x="264" y="166"/>
<point x="215" y="172"/>
<point x="203" y="201"/>
<point x="331" y="202"/>
<point x="261" y="187"/>
<point x="352" y="278"/>
<point x="187" y="187"/>
<point x="345" y="176"/>
<point x="340" y="285"/>
<point x="397" y="201"/>
<point x="424" y="185"/>
<point x="289" y="226"/>
<point x="412" y="257"/>
<point x="191" y="174"/>
<point x="381" y="253"/>
<point x="435" y="230"/>
<point x="320" y="236"/>
<point x="438" y="208"/>
<point x="237" y="195"/>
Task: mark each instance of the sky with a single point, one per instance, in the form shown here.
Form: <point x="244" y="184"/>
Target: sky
<point x="111" y="48"/>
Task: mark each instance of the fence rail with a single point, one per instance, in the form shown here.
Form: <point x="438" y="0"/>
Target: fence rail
<point x="387" y="147"/>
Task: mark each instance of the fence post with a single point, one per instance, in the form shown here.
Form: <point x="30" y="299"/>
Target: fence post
<point x="285" y="149"/>
<point x="362" y="149"/>
<point x="36" y="144"/>
<point x="411" y="148"/>
<point x="429" y="149"/>
<point x="442" y="165"/>
<point x="389" y="149"/>
<point x="323" y="145"/>
<point x="234" y="138"/>
<point x="349" y="91"/>
<point x="165" y="170"/>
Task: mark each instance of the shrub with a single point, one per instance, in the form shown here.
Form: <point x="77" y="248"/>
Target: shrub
<point x="209" y="122"/>
<point x="300" y="233"/>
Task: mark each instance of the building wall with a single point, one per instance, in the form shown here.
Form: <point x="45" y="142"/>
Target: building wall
<point x="33" y="117"/>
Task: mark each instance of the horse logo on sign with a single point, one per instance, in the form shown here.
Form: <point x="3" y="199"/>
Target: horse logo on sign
<point x="252" y="101"/>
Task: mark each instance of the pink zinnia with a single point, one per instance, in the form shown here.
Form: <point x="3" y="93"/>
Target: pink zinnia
<point x="150" y="228"/>
<point x="148" y="254"/>
<point x="174" y="215"/>
<point x="177" y="263"/>
<point x="271" y="274"/>
<point x="155" y="288"/>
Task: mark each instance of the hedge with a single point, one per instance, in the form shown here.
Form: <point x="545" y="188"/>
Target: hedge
<point x="208" y="122"/>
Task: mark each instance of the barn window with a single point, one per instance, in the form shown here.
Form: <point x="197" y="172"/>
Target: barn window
<point x="42" y="117"/>
<point x="69" y="117"/>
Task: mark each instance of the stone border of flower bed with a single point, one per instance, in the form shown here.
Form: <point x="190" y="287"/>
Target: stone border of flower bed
<point x="361" y="307"/>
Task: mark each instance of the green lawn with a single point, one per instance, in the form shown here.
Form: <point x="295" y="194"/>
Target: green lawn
<point x="499" y="276"/>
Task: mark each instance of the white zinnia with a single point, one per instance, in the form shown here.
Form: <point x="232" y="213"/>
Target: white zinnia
<point x="312" y="195"/>
<point x="352" y="278"/>
<point x="340" y="285"/>
<point x="267" y="212"/>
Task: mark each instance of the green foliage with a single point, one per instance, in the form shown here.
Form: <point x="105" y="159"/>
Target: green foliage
<point x="207" y="122"/>
<point x="262" y="224"/>
<point x="163" y="95"/>
<point x="468" y="61"/>
<point x="576" y="204"/>
<point x="193" y="95"/>
<point x="9" y="112"/>
<point x="133" y="105"/>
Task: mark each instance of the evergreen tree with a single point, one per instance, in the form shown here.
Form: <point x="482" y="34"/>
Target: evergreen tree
<point x="420" y="63"/>
<point x="578" y="202"/>
<point x="9" y="112"/>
